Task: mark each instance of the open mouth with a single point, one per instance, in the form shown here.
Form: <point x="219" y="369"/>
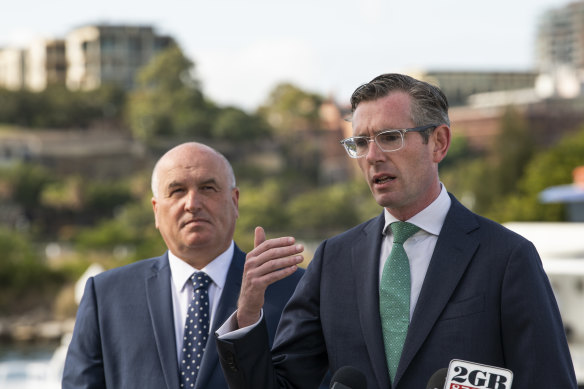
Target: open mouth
<point x="383" y="179"/>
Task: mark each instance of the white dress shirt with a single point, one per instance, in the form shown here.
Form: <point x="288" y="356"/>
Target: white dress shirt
<point x="182" y="291"/>
<point x="420" y="246"/>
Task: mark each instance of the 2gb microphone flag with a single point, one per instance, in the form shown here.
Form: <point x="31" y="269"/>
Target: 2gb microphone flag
<point x="470" y="375"/>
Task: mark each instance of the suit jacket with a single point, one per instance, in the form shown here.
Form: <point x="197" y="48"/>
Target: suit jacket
<point x="485" y="299"/>
<point x="124" y="332"/>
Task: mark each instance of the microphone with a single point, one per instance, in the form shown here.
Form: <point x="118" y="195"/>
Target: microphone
<point x="438" y="379"/>
<point x="348" y="377"/>
<point x="464" y="374"/>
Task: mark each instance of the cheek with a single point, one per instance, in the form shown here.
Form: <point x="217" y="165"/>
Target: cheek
<point x="363" y="167"/>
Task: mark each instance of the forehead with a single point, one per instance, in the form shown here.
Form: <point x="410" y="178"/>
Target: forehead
<point x="391" y="111"/>
<point x="192" y="165"/>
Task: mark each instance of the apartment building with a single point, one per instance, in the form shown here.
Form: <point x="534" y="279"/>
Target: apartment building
<point x="101" y="54"/>
<point x="458" y="86"/>
<point x="45" y="64"/>
<point x="12" y="68"/>
<point x="88" y="57"/>
<point x="560" y="38"/>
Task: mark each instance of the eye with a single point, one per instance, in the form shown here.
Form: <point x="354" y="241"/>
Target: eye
<point x="389" y="137"/>
<point x="175" y="191"/>
<point x="360" y="142"/>
<point x="209" y="188"/>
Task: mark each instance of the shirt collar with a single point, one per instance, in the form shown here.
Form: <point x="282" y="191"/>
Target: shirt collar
<point x="430" y="219"/>
<point x="216" y="269"/>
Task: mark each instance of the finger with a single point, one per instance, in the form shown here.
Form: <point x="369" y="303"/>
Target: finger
<point x="272" y="249"/>
<point x="260" y="236"/>
<point x="276" y="265"/>
<point x="278" y="274"/>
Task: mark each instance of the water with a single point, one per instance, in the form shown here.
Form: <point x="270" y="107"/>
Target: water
<point x="31" y="366"/>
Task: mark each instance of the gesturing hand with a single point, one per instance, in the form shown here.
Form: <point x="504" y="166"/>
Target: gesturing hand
<point x="269" y="261"/>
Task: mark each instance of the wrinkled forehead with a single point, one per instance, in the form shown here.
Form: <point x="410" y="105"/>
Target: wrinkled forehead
<point x="191" y="163"/>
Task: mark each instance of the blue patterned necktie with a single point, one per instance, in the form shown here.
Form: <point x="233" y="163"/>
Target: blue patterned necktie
<point x="196" y="331"/>
<point x="394" y="295"/>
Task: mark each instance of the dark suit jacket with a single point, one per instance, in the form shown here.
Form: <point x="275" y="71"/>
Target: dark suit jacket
<point x="124" y="333"/>
<point x="485" y="299"/>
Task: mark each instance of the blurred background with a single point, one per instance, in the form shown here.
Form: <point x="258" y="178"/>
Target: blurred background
<point x="92" y="95"/>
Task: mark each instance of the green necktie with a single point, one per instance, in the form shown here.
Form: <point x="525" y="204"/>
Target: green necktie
<point x="394" y="295"/>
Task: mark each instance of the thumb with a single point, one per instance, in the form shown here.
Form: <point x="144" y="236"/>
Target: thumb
<point x="260" y="237"/>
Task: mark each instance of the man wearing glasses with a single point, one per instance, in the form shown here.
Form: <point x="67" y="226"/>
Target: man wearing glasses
<point x="401" y="295"/>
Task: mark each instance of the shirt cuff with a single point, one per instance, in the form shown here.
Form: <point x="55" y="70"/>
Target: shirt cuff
<point x="230" y="331"/>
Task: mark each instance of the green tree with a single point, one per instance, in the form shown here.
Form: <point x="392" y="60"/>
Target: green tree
<point x="233" y="124"/>
<point x="263" y="205"/>
<point x="130" y="235"/>
<point x="25" y="281"/>
<point x="549" y="168"/>
<point x="24" y="184"/>
<point x="289" y="108"/>
<point x="168" y="100"/>
<point x="483" y="180"/>
<point x="515" y="147"/>
<point x="58" y="107"/>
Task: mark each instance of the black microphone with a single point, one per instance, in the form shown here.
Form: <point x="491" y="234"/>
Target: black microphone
<point x="348" y="377"/>
<point x="438" y="379"/>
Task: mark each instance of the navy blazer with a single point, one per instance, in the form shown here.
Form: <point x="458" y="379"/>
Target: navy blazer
<point x="124" y="333"/>
<point x="485" y="299"/>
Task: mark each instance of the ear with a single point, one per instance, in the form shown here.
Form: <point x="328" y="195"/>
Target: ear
<point x="154" y="208"/>
<point x="235" y="199"/>
<point x="441" y="137"/>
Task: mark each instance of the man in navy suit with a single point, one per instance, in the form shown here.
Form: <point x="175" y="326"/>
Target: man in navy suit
<point x="470" y="288"/>
<point x="129" y="327"/>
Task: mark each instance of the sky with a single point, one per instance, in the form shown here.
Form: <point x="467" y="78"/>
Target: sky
<point x="243" y="48"/>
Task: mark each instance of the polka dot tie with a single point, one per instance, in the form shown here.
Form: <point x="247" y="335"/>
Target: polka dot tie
<point x="394" y="295"/>
<point x="196" y="331"/>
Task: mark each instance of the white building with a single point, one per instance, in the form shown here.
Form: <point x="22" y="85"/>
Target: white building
<point x="101" y="54"/>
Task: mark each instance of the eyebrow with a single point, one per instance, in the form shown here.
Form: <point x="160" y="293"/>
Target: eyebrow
<point x="209" y="181"/>
<point x="175" y="184"/>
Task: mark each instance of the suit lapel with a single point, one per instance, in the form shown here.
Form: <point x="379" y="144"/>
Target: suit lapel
<point x="365" y="267"/>
<point x="227" y="305"/>
<point x="158" y="294"/>
<point x="452" y="254"/>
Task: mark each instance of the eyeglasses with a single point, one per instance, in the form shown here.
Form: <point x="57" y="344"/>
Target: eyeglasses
<point x="388" y="140"/>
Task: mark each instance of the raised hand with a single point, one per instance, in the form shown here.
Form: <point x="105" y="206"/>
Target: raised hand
<point x="270" y="261"/>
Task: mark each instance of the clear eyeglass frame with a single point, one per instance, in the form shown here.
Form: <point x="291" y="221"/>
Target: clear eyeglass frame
<point x="386" y="140"/>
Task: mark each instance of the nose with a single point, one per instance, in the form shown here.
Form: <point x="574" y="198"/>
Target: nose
<point x="192" y="201"/>
<point x="374" y="152"/>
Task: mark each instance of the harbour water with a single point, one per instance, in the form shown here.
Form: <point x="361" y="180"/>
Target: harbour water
<point x="31" y="366"/>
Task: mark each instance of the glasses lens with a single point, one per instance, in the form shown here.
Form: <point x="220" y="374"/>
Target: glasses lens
<point x="389" y="140"/>
<point x="355" y="146"/>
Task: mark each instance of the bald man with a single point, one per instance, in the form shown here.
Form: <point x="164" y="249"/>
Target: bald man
<point x="132" y="325"/>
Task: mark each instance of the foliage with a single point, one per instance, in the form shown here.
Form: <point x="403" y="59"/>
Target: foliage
<point x="58" y="107"/>
<point x="23" y="274"/>
<point x="312" y="214"/>
<point x="289" y="108"/>
<point x="550" y="168"/>
<point x="481" y="181"/>
<point x="262" y="206"/>
<point x="168" y="100"/>
<point x="129" y="236"/>
<point x="458" y="154"/>
<point x="324" y="212"/>
<point x="23" y="184"/>
<point x="515" y="146"/>
<point x="233" y="124"/>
